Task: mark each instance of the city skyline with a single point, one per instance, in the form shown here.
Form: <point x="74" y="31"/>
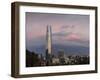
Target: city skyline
<point x="67" y="31"/>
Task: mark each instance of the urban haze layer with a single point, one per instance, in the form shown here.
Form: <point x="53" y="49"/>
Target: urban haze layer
<point x="65" y="42"/>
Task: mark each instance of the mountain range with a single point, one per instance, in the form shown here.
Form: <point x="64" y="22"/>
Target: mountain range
<point x="67" y="49"/>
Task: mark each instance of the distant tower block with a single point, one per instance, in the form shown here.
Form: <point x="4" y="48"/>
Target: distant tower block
<point x="48" y="46"/>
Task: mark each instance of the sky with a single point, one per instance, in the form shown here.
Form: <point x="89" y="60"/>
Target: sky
<point x="68" y="30"/>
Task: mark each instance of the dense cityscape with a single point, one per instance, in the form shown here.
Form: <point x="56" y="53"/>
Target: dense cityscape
<point x="33" y="59"/>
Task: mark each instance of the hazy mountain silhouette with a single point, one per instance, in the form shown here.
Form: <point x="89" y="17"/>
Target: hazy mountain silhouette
<point x="71" y="50"/>
<point x="68" y="49"/>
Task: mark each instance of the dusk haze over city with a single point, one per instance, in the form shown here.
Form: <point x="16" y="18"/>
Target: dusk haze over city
<point x="69" y="34"/>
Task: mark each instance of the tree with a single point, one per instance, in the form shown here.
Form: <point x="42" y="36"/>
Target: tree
<point x="32" y="59"/>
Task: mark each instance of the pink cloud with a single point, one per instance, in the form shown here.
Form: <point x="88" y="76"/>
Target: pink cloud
<point x="73" y="37"/>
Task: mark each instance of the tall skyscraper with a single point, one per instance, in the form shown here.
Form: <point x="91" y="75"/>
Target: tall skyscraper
<point x="48" y="46"/>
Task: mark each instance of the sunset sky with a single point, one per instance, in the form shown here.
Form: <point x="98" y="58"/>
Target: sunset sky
<point x="67" y="30"/>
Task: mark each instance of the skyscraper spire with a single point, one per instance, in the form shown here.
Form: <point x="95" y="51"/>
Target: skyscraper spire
<point x="48" y="45"/>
